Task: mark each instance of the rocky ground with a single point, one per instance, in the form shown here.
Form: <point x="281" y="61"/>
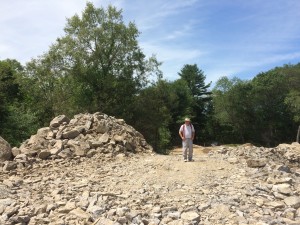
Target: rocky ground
<point x="224" y="185"/>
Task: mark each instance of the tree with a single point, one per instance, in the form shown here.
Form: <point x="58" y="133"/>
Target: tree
<point x="273" y="118"/>
<point x="180" y="106"/>
<point x="9" y="88"/>
<point x="102" y="55"/>
<point x="232" y="107"/>
<point x="44" y="88"/>
<point x="292" y="100"/>
<point x="16" y="122"/>
<point x="153" y="116"/>
<point x="255" y="110"/>
<point x="195" y="79"/>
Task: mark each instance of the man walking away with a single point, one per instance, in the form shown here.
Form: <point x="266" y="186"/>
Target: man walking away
<point x="187" y="134"/>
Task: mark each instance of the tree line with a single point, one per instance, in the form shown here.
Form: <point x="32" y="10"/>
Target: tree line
<point x="98" y="65"/>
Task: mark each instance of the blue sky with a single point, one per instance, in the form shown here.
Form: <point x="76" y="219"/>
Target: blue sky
<point x="223" y="37"/>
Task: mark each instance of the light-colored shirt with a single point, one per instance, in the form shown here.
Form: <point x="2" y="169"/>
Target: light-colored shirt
<point x="187" y="130"/>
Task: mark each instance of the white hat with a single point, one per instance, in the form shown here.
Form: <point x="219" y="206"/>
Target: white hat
<point x="187" y="119"/>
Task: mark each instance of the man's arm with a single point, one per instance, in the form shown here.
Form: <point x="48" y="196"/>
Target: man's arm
<point x="180" y="133"/>
<point x="193" y="132"/>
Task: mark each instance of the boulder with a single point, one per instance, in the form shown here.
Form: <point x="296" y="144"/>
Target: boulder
<point x="5" y="150"/>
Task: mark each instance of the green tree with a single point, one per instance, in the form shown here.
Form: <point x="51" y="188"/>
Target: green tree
<point x="233" y="110"/>
<point x="9" y="88"/>
<point x="180" y="107"/>
<point x="96" y="66"/>
<point x="195" y="79"/>
<point x="293" y="102"/>
<point x="16" y="122"/>
<point x="273" y="119"/>
<point x="292" y="73"/>
<point x="254" y="111"/>
<point x="102" y="55"/>
<point x="153" y="116"/>
<point x="44" y="88"/>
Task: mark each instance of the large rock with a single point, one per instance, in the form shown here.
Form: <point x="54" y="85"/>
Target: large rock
<point x="5" y="150"/>
<point x="293" y="201"/>
<point x="57" y="121"/>
<point x="253" y="163"/>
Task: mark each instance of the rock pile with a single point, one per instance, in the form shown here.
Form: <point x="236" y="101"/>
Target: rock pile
<point x="274" y="191"/>
<point x="83" y="136"/>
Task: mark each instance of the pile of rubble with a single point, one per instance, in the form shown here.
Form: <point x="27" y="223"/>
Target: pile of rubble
<point x="83" y="136"/>
<point x="287" y="154"/>
<point x="274" y="190"/>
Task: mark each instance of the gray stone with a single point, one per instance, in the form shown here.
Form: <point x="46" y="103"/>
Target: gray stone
<point x="190" y="216"/>
<point x="5" y="150"/>
<point x="104" y="138"/>
<point x="282" y="188"/>
<point x="44" y="154"/>
<point x="253" y="163"/>
<point x="57" y="121"/>
<point x="71" y="134"/>
<point x="293" y="201"/>
<point x="79" y="213"/>
<point x="9" y="165"/>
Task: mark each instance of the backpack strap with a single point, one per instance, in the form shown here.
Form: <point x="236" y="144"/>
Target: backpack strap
<point x="183" y="129"/>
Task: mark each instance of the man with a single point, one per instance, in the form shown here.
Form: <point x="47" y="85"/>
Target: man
<point x="187" y="134"/>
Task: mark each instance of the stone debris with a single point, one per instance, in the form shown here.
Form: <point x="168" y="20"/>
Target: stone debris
<point x="96" y="170"/>
<point x="85" y="135"/>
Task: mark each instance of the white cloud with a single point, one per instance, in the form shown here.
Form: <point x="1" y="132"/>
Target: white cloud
<point x="28" y="28"/>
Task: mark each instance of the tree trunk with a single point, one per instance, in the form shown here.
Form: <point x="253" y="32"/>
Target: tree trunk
<point x="298" y="134"/>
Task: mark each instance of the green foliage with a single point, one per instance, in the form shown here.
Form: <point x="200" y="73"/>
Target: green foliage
<point x="195" y="79"/>
<point x="102" y="55"/>
<point x="96" y="66"/>
<point x="152" y="115"/>
<point x="272" y="116"/>
<point x="293" y="102"/>
<point x="16" y="122"/>
<point x="255" y="111"/>
<point x="292" y="73"/>
<point x="19" y="125"/>
<point x="180" y="107"/>
<point x="232" y="106"/>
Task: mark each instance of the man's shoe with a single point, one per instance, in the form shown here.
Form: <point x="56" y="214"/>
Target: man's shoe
<point x="191" y="160"/>
<point x="185" y="160"/>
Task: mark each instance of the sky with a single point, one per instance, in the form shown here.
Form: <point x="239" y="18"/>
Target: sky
<point x="233" y="38"/>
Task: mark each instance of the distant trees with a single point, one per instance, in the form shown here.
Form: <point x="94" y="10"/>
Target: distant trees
<point x="262" y="111"/>
<point x="233" y="110"/>
<point x="17" y="120"/>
